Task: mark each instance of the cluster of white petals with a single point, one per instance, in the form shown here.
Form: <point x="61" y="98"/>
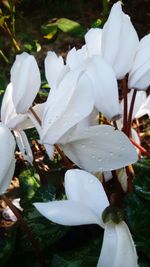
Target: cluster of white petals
<point x="80" y="89"/>
<point x="86" y="201"/>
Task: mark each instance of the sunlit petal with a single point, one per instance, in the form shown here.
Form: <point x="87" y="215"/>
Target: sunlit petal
<point x="84" y="187"/>
<point x="25" y="78"/>
<point x="67" y="212"/>
<point x="100" y="148"/>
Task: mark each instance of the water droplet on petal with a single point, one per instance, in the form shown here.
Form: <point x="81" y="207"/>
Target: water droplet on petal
<point x="111" y="154"/>
<point x="93" y="156"/>
<point x="76" y="114"/>
<point x="99" y="159"/>
<point x="91" y="180"/>
<point x="83" y="146"/>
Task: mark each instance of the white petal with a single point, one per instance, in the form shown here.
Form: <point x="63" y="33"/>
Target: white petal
<point x="8" y="113"/>
<point x="24" y="146"/>
<point x="7" y="176"/>
<point x="84" y="187"/>
<point x="140" y="79"/>
<point x="126" y="253"/>
<point x="128" y="45"/>
<point x="93" y="41"/>
<point x="145" y="108"/>
<point x="118" y="241"/>
<point x="25" y="77"/>
<point x="50" y="150"/>
<point x="79" y="105"/>
<point x="111" y="33"/>
<point x="55" y="69"/>
<point x="8" y="213"/>
<point x="7" y="145"/>
<point x="105" y="90"/>
<point x="67" y="212"/>
<point x="76" y="58"/>
<point x="122" y="178"/>
<point x="109" y="246"/>
<point x="100" y="148"/>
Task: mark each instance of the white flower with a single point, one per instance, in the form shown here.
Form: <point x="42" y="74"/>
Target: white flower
<point x="139" y="76"/>
<point x="119" y="41"/>
<point x="17" y="123"/>
<point x="99" y="148"/>
<point x="86" y="202"/>
<point x="7" y="158"/>
<point x="25" y="78"/>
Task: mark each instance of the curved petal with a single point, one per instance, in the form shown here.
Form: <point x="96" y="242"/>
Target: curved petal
<point x="25" y="77"/>
<point x="118" y="241"/>
<point x="7" y="177"/>
<point x="8" y="113"/>
<point x="100" y="148"/>
<point x="105" y="90"/>
<point x="55" y="69"/>
<point x="93" y="41"/>
<point x="7" y="159"/>
<point x="67" y="212"/>
<point x="145" y="108"/>
<point x="79" y="105"/>
<point x="76" y="58"/>
<point x="24" y="146"/>
<point x="127" y="48"/>
<point x="84" y="187"/>
<point x="111" y="33"/>
<point x="140" y="79"/>
<point x="109" y="246"/>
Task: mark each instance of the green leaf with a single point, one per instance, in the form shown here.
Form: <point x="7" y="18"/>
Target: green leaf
<point x="29" y="183"/>
<point x="49" y="30"/>
<point x="69" y="26"/>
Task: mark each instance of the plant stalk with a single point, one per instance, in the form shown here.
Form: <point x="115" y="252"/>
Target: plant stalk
<point x="26" y="230"/>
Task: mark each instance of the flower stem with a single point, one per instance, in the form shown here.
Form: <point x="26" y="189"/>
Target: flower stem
<point x="130" y="174"/>
<point x="130" y="112"/>
<point x="141" y="148"/>
<point x="27" y="231"/>
<point x="125" y="115"/>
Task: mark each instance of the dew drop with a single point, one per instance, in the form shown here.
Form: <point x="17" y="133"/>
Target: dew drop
<point x="111" y="154"/>
<point x="76" y="114"/>
<point x="83" y="146"/>
<point x="93" y="157"/>
<point x="91" y="180"/>
<point x="99" y="159"/>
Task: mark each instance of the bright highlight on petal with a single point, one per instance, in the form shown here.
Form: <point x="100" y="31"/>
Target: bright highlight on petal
<point x="25" y="78"/>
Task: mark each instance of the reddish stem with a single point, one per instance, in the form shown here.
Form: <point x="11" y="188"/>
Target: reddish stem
<point x="26" y="230"/>
<point x="125" y="115"/>
<point x="141" y="148"/>
<point x="130" y="112"/>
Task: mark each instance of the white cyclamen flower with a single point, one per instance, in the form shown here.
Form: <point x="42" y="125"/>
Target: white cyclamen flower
<point x="25" y="78"/>
<point x="139" y="76"/>
<point x="7" y="158"/>
<point x="86" y="202"/>
<point x="119" y="41"/>
<point x="17" y="123"/>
